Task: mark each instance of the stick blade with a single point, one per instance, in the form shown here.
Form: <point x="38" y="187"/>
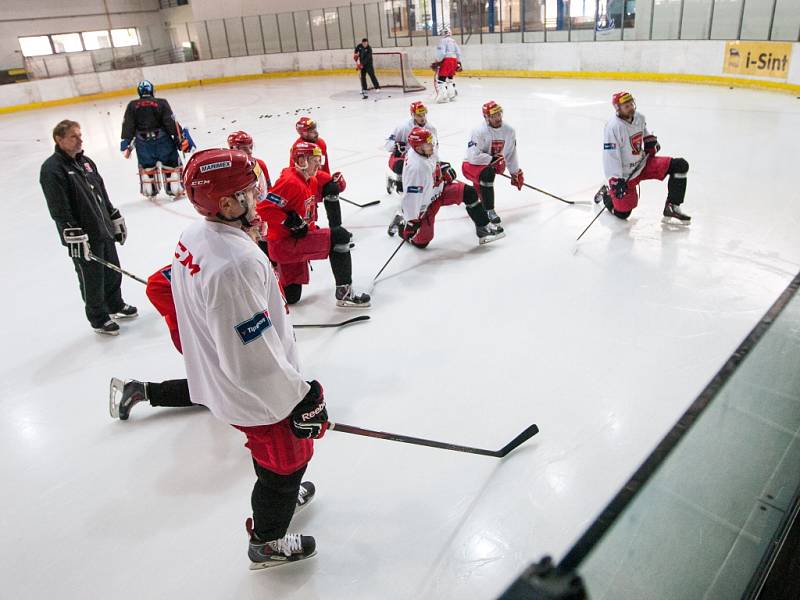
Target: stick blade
<point x="523" y="437"/>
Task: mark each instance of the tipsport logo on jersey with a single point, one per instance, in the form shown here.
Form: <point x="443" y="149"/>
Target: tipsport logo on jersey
<point x="252" y="328"/>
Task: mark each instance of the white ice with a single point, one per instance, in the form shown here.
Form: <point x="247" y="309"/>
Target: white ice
<point x="603" y="344"/>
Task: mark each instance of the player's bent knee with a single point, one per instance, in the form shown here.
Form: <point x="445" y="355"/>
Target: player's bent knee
<point x="419" y="245"/>
<point x="678" y="166"/>
<point x="293" y="291"/>
<point x="470" y="195"/>
<point x="330" y="190"/>
<point x="622" y="214"/>
<point x="486" y="177"/>
<point x="341" y="240"/>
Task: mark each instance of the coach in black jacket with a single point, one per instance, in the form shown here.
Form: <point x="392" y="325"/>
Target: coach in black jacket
<point x="87" y="222"/>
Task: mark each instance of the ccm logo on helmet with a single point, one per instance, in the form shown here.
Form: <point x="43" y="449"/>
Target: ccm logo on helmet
<point x="223" y="164"/>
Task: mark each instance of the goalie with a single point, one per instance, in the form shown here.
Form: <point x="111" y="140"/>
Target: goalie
<point x="448" y="61"/>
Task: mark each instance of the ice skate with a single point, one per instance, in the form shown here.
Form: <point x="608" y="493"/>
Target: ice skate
<point x="673" y="211"/>
<point x="290" y="548"/>
<point x="493" y="217"/>
<point x="126" y="312"/>
<point x="123" y="395"/>
<point x="396" y="224"/>
<point x="489" y="233"/>
<point x="107" y="328"/>
<point x="347" y="298"/>
<point x="305" y="495"/>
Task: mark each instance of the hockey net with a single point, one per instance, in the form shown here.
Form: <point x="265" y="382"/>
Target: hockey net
<point x="394" y="70"/>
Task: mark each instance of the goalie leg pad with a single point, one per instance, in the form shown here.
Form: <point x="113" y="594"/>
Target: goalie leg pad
<point x="149" y="182"/>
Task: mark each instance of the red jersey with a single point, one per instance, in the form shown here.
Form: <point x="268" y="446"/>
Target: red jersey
<point x="291" y="192"/>
<point x="159" y="292"/>
<point x="322" y="146"/>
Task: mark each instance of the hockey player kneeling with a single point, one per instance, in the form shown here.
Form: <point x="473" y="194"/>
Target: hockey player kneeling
<point x="293" y="236"/>
<point x="429" y="185"/>
<point x="239" y="349"/>
<point x="630" y="156"/>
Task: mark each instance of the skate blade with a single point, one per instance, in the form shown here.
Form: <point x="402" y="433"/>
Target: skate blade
<point x="491" y="238"/>
<point x="346" y="304"/>
<point x="675" y="221"/>
<point x="114" y="395"/>
<point x="278" y="562"/>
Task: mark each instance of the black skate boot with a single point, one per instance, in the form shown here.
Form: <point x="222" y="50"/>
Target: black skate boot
<point x="489" y="233"/>
<point x="305" y="495"/>
<point x="601" y="194"/>
<point x="122" y="395"/>
<point x="108" y="328"/>
<point x="290" y="548"/>
<point x="493" y="218"/>
<point x="389" y="185"/>
<point x="673" y="211"/>
<point x="126" y="312"/>
<point x="347" y="298"/>
<point x="396" y="224"/>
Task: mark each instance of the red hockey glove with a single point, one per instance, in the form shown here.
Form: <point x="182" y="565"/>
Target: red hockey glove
<point x="185" y="145"/>
<point x="410" y="228"/>
<point x="518" y="179"/>
<point x="651" y="145"/>
<point x="358" y="66"/>
<point x="448" y="172"/>
<point x="499" y="164"/>
<point x="338" y="179"/>
<point x="297" y="227"/>
<point x="619" y="187"/>
<point x="309" y="419"/>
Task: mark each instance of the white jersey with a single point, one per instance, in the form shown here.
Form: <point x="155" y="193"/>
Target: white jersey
<point x="419" y="191"/>
<point x="623" y="147"/>
<point x="447" y="48"/>
<point x="237" y="337"/>
<point x="486" y="142"/>
<point x="400" y="134"/>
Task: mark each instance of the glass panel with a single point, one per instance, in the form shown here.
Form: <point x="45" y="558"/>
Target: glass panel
<point x="318" y="30"/>
<point x="666" y="15"/>
<point x="197" y="33"/>
<point x="360" y="24"/>
<point x="94" y="40"/>
<point x="235" y="33"/>
<point x="67" y="42"/>
<point x="374" y="16"/>
<point x="302" y="25"/>
<point x="252" y="31"/>
<point x="331" y="17"/>
<point x="609" y="19"/>
<point x="582" y="16"/>
<point x="757" y="13"/>
<point x="288" y="39"/>
<point x="716" y="503"/>
<point x="269" y="29"/>
<point x="534" y="16"/>
<point x="346" y="25"/>
<point x="35" y="46"/>
<point x="696" y="19"/>
<point x="217" y="39"/>
<point x="125" y="37"/>
<point x="787" y="21"/>
<point x="726" y="20"/>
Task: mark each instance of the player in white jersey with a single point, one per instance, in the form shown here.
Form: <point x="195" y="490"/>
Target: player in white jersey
<point x="629" y="156"/>
<point x="448" y="61"/>
<point x="396" y="144"/>
<point x="491" y="149"/>
<point x="429" y="185"/>
<point x="239" y="349"/>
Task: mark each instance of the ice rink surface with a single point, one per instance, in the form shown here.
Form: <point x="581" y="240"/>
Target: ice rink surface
<point x="603" y="344"/>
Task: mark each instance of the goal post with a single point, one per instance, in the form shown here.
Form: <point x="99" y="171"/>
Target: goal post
<point x="394" y="70"/>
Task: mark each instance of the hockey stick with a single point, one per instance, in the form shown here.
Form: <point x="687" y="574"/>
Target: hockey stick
<point x="395" y="437"/>
<point x="541" y="191"/>
<point x="342" y="324"/>
<point x="590" y="224"/>
<point x="373" y="203"/>
<point x="113" y="267"/>
<point x="386" y="264"/>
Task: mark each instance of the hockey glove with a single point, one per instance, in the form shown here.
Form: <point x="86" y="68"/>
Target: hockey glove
<point x="309" y="419"/>
<point x="435" y="66"/>
<point x="124" y="145"/>
<point x="338" y="179"/>
<point x="409" y="229"/>
<point x="459" y="67"/>
<point x="399" y="148"/>
<point x="77" y="242"/>
<point x="448" y="172"/>
<point x="499" y="164"/>
<point x="297" y="227"/>
<point x="187" y="142"/>
<point x="120" y="229"/>
<point x="651" y="145"/>
<point x="358" y="66"/>
<point x="618" y="186"/>
<point x="518" y="179"/>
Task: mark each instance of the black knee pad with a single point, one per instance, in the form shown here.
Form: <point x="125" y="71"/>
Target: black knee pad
<point x="397" y="167"/>
<point x="678" y="165"/>
<point x="341" y="240"/>
<point x="621" y="214"/>
<point x="293" y="291"/>
<point x="487" y="175"/>
<point x="470" y="195"/>
<point x="330" y="189"/>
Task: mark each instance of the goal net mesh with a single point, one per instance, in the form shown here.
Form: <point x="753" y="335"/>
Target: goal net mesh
<point x="393" y="70"/>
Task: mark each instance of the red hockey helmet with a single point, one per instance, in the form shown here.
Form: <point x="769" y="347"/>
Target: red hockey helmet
<point x="491" y="108"/>
<point x="305" y="125"/>
<point x="305" y="150"/>
<point x="418" y="109"/>
<point x="239" y="140"/>
<point x="621" y="98"/>
<point x="216" y="173"/>
<point x="419" y="136"/>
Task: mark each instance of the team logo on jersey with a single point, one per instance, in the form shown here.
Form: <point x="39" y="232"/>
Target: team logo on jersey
<point x="470" y="144"/>
<point x="414" y="189"/>
<point x="609" y="146"/>
<point x="223" y="164"/>
<point x="636" y="143"/>
<point x="186" y="259"/>
<point x="252" y="328"/>
<point x="275" y="199"/>
<point x="497" y="147"/>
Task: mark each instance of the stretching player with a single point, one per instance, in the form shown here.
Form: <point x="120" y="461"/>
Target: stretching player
<point x="293" y="236"/>
<point x="629" y="156"/>
<point x="307" y="129"/>
<point x="448" y="61"/>
<point x="429" y="185"/>
<point x="241" y="140"/>
<point x="158" y="137"/>
<point x="491" y="147"/>
<point x="239" y="348"/>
